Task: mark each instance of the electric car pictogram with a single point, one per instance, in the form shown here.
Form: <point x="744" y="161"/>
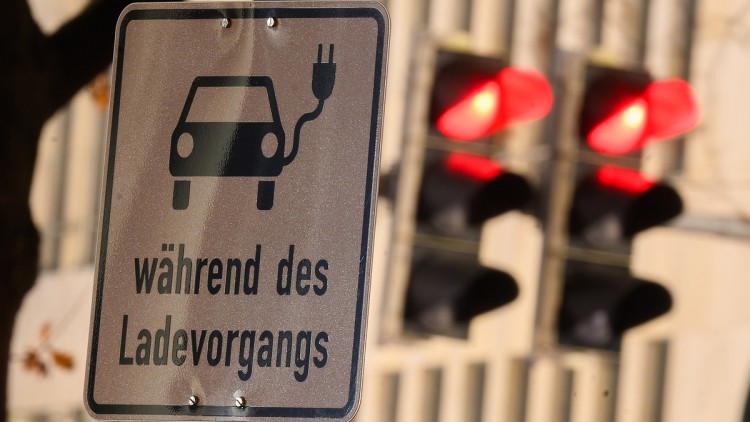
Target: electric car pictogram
<point x="220" y="134"/>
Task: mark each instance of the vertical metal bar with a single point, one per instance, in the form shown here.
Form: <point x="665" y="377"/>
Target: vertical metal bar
<point x="432" y="395"/>
<point x="57" y="226"/>
<point x="423" y="13"/>
<point x="466" y="23"/>
<point x="554" y="24"/>
<point x="519" y="379"/>
<point x="510" y="26"/>
<point x="567" y="394"/>
<point x="659" y="355"/>
<point x="613" y="370"/>
<point x="418" y="77"/>
<point x="645" y="9"/>
<point x="476" y="392"/>
<point x="689" y="38"/>
<point x="597" y="17"/>
<point x="678" y="153"/>
<point x="391" y="387"/>
<point x="556" y="193"/>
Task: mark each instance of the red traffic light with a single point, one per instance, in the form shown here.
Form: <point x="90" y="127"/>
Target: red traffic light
<point x="623" y="131"/>
<point x="622" y="179"/>
<point x="481" y="169"/>
<point x="474" y="97"/>
<point x="635" y="116"/>
<point x="474" y="116"/>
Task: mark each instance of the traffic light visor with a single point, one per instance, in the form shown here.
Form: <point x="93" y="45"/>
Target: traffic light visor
<point x="527" y="95"/>
<point x="674" y="110"/>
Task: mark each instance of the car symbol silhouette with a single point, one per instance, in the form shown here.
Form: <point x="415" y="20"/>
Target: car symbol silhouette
<point x="227" y="148"/>
<point x="230" y="126"/>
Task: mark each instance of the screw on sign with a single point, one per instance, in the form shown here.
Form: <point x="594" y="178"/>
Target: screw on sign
<point x="238" y="213"/>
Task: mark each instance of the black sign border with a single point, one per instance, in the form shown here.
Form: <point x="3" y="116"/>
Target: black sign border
<point x="368" y="209"/>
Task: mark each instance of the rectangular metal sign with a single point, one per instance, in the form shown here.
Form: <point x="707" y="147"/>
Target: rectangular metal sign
<point x="238" y="210"/>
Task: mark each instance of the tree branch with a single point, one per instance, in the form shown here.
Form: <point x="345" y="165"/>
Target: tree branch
<point x="17" y="24"/>
<point x="80" y="50"/>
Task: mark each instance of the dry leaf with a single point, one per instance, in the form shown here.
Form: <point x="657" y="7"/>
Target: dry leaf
<point x="61" y="359"/>
<point x="100" y="91"/>
<point x="32" y="363"/>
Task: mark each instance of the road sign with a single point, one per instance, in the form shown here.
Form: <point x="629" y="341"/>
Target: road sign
<point x="238" y="211"/>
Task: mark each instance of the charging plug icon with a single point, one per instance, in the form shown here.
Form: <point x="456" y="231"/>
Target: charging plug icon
<point x="324" y="75"/>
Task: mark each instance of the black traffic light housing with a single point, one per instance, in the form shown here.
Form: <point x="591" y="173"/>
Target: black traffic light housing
<point x="462" y="186"/>
<point x="601" y="297"/>
<point x="448" y="289"/>
<point x="457" y="76"/>
<point x="447" y="285"/>
<point x="608" y="90"/>
<point x="601" y="301"/>
<point x="473" y="96"/>
<point x="622" y="198"/>
<point x="460" y="191"/>
<point x="612" y="202"/>
<point x="623" y="110"/>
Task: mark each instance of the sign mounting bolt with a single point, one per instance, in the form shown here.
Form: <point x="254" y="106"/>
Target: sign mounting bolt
<point x="225" y="23"/>
<point x="240" y="402"/>
<point x="272" y="22"/>
<point x="193" y="401"/>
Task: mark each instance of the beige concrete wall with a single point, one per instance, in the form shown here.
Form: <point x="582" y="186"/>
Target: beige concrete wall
<point x="707" y="334"/>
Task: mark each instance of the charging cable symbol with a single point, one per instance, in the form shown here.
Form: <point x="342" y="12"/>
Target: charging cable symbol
<point x="230" y="126"/>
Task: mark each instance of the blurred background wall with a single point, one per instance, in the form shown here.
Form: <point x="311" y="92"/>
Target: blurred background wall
<point x="692" y="364"/>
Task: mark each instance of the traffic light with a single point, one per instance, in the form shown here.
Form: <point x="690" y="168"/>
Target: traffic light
<point x="612" y="204"/>
<point x="601" y="301"/>
<point x="449" y="288"/>
<point x="474" y="97"/>
<point x="613" y="201"/>
<point x="461" y="191"/>
<point x="601" y="298"/>
<point x="463" y="185"/>
<point x="623" y="110"/>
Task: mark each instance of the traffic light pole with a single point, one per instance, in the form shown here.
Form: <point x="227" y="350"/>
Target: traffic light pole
<point x="556" y="192"/>
<point x="408" y="178"/>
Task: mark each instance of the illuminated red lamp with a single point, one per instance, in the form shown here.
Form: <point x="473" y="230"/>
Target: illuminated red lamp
<point x="481" y="169"/>
<point x="512" y="96"/>
<point x="636" y="202"/>
<point x="664" y="109"/>
<point x="622" y="179"/>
